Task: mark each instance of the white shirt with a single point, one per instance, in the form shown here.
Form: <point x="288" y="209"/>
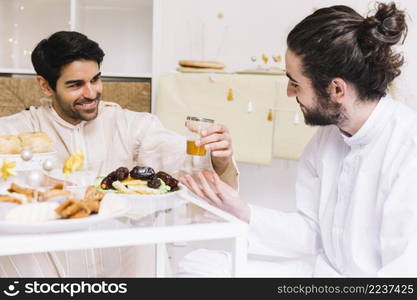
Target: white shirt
<point x="115" y="135"/>
<point x="356" y="199"/>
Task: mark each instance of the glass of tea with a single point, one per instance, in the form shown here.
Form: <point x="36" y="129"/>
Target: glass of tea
<point x="195" y="126"/>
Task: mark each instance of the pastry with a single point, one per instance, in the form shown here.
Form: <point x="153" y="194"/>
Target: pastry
<point x="201" y="64"/>
<point x="37" y="142"/>
<point x="31" y="194"/>
<point x="10" y="144"/>
<point x="53" y="193"/>
<point x="72" y="208"/>
<point x="10" y="198"/>
<point x="91" y="194"/>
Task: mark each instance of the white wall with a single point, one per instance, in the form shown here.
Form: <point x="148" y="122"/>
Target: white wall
<point x="190" y="29"/>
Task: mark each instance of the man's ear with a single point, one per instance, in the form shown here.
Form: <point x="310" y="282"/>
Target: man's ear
<point x="337" y="90"/>
<point x="44" y="85"/>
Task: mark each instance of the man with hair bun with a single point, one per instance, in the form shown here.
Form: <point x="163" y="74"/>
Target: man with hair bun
<point x="356" y="186"/>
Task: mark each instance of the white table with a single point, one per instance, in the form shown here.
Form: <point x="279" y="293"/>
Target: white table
<point x="174" y="219"/>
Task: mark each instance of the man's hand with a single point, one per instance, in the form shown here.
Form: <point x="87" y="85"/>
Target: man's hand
<point x="209" y="187"/>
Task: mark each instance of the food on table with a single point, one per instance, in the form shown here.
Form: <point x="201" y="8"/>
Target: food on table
<point x="72" y="209"/>
<point x="43" y="210"/>
<point x="56" y="191"/>
<point x="33" y="212"/>
<point x="73" y="163"/>
<point x="119" y="174"/>
<point x="91" y="194"/>
<point x="168" y="179"/>
<point x="80" y="208"/>
<point x="21" y="195"/>
<point x="117" y="185"/>
<point x="7" y="169"/>
<point x="154" y="183"/>
<point x="37" y="142"/>
<point x="145" y="173"/>
<point x="142" y="180"/>
<point x="31" y="194"/>
<point x="10" y="144"/>
<point x="12" y="198"/>
<point x="144" y="189"/>
<point x="122" y="173"/>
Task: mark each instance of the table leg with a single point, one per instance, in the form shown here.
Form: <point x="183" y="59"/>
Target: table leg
<point x="239" y="256"/>
<point x="160" y="259"/>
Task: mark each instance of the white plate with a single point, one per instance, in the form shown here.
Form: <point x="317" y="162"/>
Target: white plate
<point x="140" y="205"/>
<point x="60" y="225"/>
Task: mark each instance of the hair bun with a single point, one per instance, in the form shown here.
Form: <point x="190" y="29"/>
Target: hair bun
<point x="387" y="25"/>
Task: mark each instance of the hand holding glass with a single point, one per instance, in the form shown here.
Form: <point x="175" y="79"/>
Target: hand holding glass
<point x="196" y="126"/>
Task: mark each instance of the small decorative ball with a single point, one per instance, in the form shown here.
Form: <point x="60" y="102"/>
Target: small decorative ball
<point x="26" y="155"/>
<point x="48" y="165"/>
<point x="34" y="178"/>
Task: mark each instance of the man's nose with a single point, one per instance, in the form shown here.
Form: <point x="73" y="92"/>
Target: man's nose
<point x="89" y="92"/>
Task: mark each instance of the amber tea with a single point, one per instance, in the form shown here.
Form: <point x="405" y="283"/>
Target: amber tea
<point x="192" y="149"/>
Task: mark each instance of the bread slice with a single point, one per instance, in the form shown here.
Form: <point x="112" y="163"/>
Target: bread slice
<point x="201" y="64"/>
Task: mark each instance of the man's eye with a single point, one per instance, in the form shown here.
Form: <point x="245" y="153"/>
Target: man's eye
<point x="293" y="84"/>
<point x="74" y="85"/>
<point x="95" y="79"/>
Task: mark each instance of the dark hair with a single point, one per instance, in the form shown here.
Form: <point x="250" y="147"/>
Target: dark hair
<point x="61" y="48"/>
<point x="338" y="42"/>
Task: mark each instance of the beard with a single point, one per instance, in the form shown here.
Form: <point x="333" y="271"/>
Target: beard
<point x="75" y="111"/>
<point x="325" y="113"/>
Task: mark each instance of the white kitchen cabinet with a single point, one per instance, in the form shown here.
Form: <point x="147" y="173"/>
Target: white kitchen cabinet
<point x="25" y="23"/>
<point x="123" y="28"/>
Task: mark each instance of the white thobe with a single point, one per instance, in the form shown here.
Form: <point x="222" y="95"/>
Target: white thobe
<point x="115" y="135"/>
<point x="356" y="200"/>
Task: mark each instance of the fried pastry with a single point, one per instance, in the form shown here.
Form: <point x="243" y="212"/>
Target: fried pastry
<point x="52" y="193"/>
<point x="93" y="205"/>
<point x="31" y="194"/>
<point x="8" y="198"/>
<point x="79" y="214"/>
<point x="91" y="194"/>
<point x="73" y="208"/>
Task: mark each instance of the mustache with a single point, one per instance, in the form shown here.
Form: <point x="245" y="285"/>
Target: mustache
<point x="87" y="100"/>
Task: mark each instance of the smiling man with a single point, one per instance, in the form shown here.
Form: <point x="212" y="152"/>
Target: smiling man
<point x="68" y="71"/>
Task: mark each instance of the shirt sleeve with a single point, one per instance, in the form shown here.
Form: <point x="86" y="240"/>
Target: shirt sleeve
<point x="398" y="235"/>
<point x="165" y="150"/>
<point x="291" y="234"/>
